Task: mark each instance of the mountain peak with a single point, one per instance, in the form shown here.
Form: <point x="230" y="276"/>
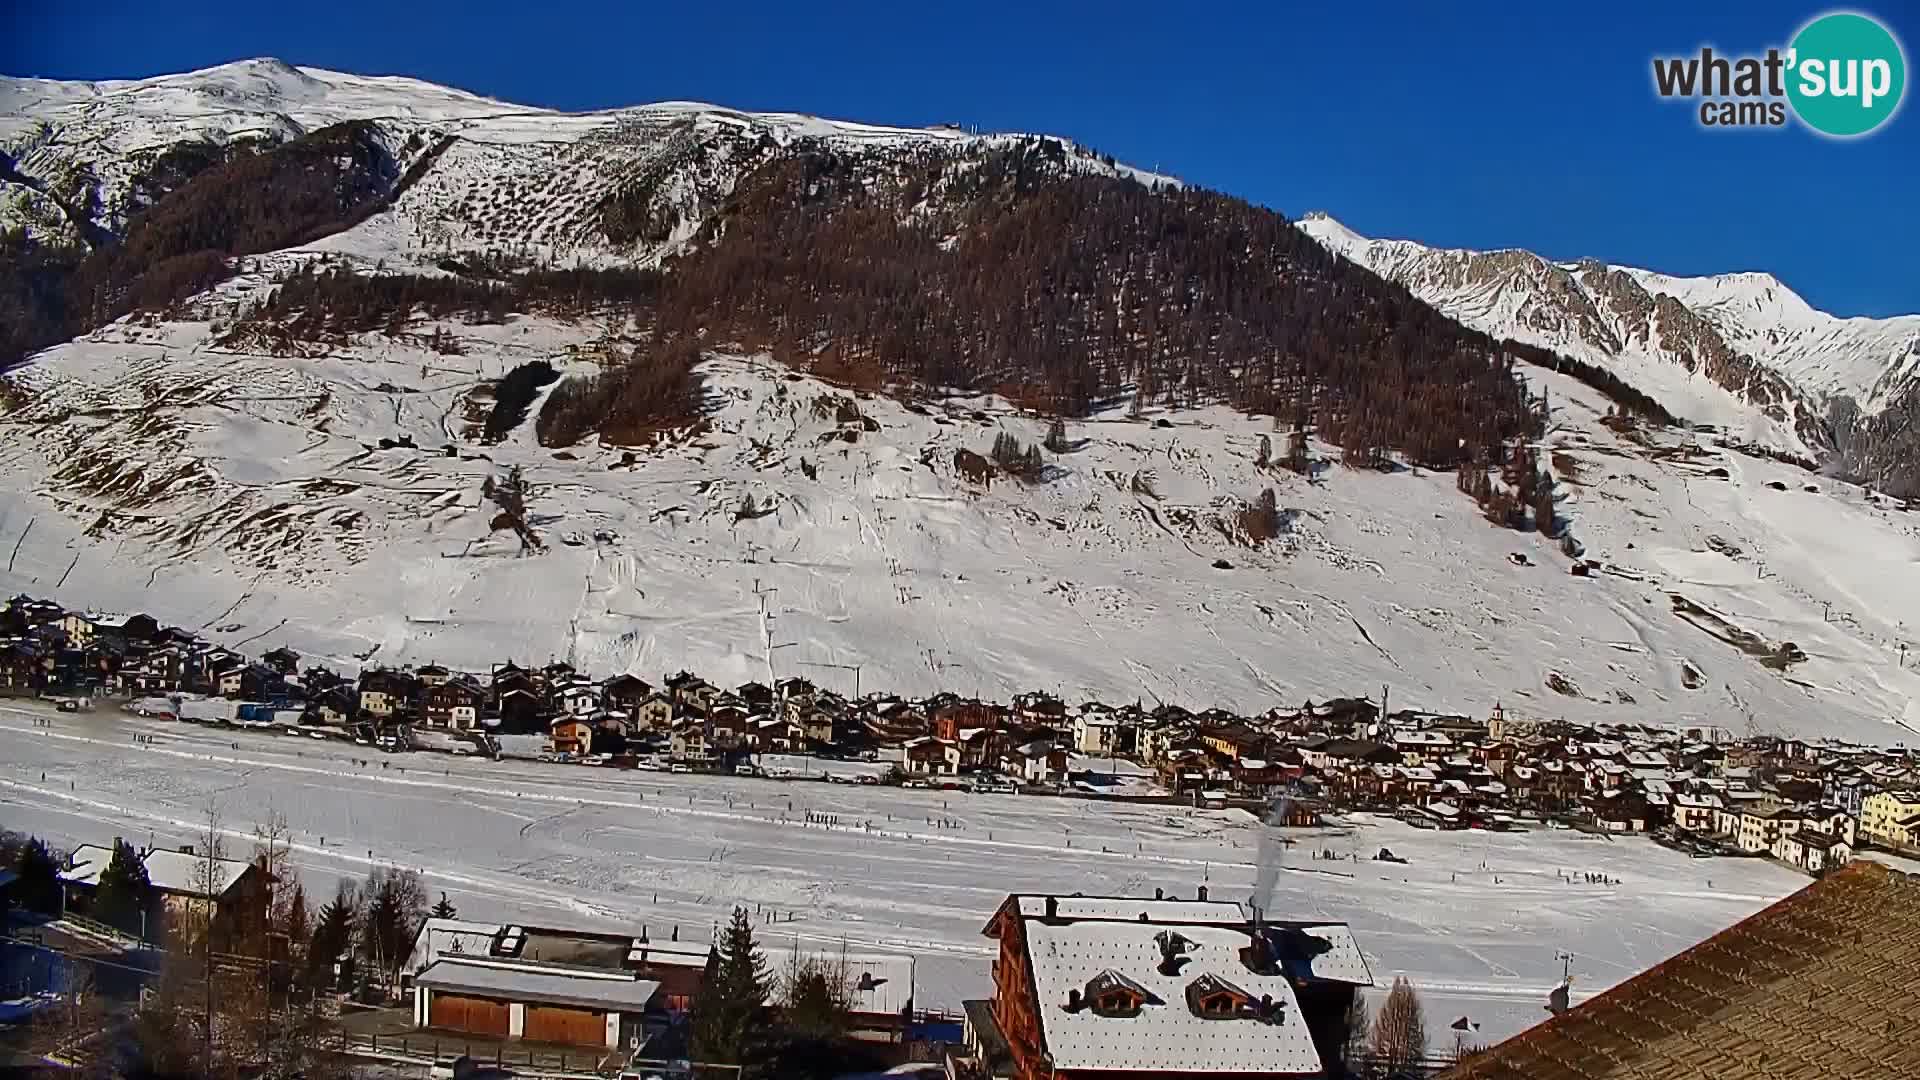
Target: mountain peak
<point x="1323" y="227"/>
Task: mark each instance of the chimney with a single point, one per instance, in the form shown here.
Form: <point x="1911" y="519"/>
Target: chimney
<point x="1159" y="893"/>
<point x="643" y="932"/>
<point x="1202" y="894"/>
<point x="676" y="931"/>
<point x="186" y="849"/>
<point x="1053" y="907"/>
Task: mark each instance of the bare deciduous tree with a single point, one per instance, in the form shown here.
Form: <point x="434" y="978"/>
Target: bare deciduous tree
<point x="510" y="495"/>
<point x="1399" y="1029"/>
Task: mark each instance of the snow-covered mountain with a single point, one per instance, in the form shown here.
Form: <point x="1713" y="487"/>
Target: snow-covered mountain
<point x="1738" y="351"/>
<point x="507" y="175"/>
<point x="333" y="502"/>
<point x="326" y="492"/>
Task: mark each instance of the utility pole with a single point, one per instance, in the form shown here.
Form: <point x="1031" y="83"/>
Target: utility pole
<point x="766" y="627"/>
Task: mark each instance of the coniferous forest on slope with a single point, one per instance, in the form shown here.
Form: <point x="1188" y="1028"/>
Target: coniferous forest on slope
<point x="985" y="270"/>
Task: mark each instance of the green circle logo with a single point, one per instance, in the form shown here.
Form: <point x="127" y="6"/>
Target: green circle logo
<point x="1846" y="74"/>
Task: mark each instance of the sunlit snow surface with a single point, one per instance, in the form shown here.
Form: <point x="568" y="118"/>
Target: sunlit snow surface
<point x="247" y="496"/>
<point x="1475" y="919"/>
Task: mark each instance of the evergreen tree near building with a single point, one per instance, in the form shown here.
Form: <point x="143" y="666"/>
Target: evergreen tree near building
<point x="444" y="909"/>
<point x="123" y="895"/>
<point x="732" y="996"/>
<point x="298" y="923"/>
<point x="38" y="888"/>
<point x="332" y="934"/>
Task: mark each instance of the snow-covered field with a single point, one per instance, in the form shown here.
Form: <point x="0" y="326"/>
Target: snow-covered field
<point x="1475" y="919"/>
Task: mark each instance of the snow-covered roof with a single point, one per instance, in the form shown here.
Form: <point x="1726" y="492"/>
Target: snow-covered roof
<point x="669" y="953"/>
<point x="1343" y="961"/>
<point x="523" y="983"/>
<point x="170" y="871"/>
<point x="177" y="871"/>
<point x="1129" y="909"/>
<point x="88" y="860"/>
<point x="1166" y="1035"/>
<point x="450" y="937"/>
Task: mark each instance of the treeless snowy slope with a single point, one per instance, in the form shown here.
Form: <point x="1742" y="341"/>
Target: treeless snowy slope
<point x="249" y="496"/>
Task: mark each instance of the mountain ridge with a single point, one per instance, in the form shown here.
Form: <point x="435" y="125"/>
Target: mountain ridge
<point x="1740" y="351"/>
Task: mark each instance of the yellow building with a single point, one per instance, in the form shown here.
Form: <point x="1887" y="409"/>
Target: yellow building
<point x="1882" y="815"/>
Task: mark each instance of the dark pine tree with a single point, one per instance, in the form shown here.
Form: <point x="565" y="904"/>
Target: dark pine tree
<point x="738" y="976"/>
<point x="1543" y="505"/>
<point x="123" y="896"/>
<point x="38" y="888"/>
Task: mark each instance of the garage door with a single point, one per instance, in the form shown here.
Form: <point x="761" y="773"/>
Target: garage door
<point x="477" y="1016"/>
<point x="558" y="1024"/>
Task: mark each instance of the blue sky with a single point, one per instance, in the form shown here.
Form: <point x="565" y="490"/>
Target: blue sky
<point x="1483" y="124"/>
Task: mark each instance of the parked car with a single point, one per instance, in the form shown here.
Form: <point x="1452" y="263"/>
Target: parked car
<point x="915" y="782"/>
<point x="679" y="768"/>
